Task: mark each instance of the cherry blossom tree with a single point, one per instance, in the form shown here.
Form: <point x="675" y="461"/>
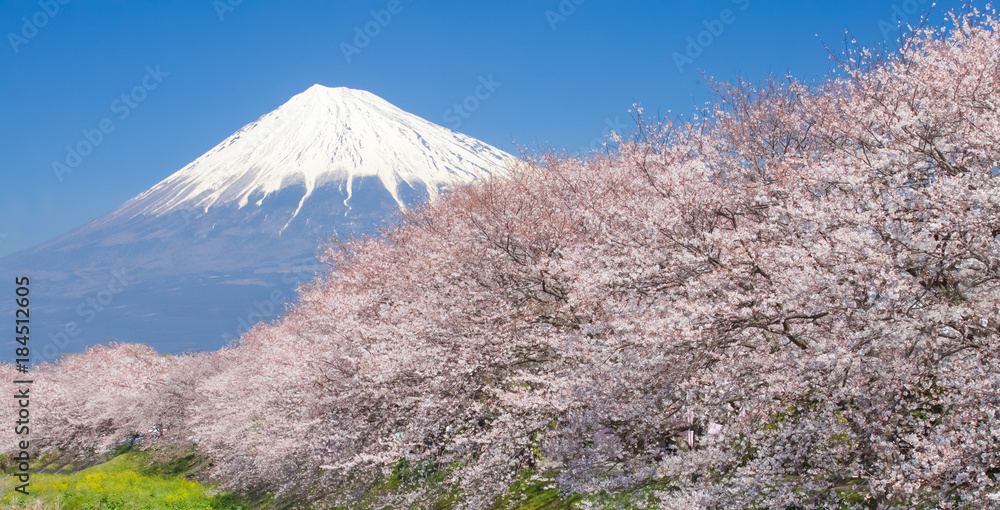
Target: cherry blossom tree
<point x="792" y="301"/>
<point x="109" y="395"/>
<point x="811" y="272"/>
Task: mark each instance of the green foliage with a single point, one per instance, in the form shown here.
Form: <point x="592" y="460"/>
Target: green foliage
<point x="127" y="482"/>
<point x="405" y="478"/>
<point x="532" y="492"/>
<point x="140" y="480"/>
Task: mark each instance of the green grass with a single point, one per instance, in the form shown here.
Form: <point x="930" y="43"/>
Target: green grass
<point x="530" y="493"/>
<point x="128" y="481"/>
<point x="140" y="480"/>
<point x="527" y="493"/>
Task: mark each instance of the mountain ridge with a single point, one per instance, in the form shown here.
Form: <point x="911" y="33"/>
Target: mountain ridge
<point x="227" y="230"/>
<point x="344" y="124"/>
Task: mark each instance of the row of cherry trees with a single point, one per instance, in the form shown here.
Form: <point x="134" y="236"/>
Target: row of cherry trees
<point x="814" y="268"/>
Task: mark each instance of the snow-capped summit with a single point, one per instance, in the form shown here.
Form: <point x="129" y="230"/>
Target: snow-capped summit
<point x="223" y="242"/>
<point x="320" y="136"/>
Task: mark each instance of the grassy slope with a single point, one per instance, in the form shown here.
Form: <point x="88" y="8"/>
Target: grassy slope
<point x="138" y="480"/>
<point x="128" y="481"/>
<point x="142" y="480"/>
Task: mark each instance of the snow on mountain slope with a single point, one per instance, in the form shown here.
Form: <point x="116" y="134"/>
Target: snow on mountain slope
<point x="222" y="243"/>
<point x="320" y="136"/>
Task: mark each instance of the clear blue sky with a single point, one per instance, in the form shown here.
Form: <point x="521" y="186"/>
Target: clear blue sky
<point x="564" y="77"/>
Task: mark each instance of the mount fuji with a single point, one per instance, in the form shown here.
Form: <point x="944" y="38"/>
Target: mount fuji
<point x="222" y="243"/>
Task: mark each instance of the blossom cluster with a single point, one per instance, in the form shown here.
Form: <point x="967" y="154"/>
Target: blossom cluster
<point x="792" y="302"/>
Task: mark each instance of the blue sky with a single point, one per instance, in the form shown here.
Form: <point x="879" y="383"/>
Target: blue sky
<point x="563" y="73"/>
